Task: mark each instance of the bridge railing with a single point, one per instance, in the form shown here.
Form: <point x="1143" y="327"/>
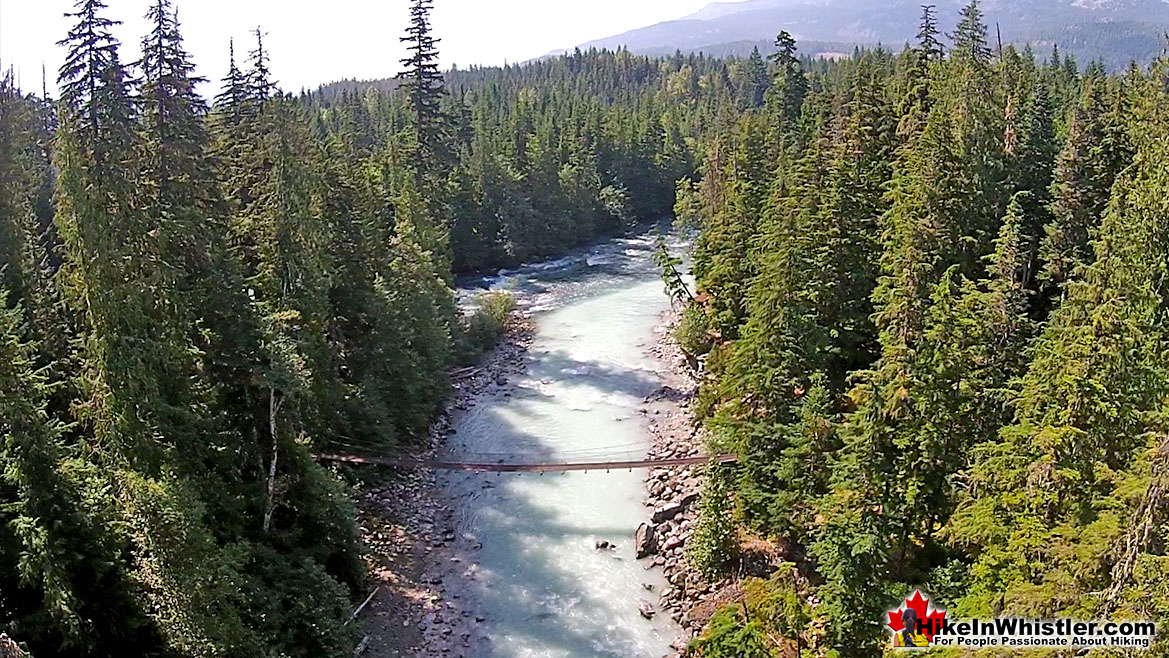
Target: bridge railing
<point x="548" y="467"/>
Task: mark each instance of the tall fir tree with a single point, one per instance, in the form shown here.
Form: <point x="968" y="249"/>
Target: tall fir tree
<point x="790" y="84"/>
<point x="970" y="36"/>
<point x="423" y="85"/>
<point x="1094" y="153"/>
<point x="756" y="79"/>
<point x="928" y="43"/>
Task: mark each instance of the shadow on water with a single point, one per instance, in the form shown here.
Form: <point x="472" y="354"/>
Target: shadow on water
<point x="557" y="364"/>
<point x="543" y="599"/>
<point x="538" y="581"/>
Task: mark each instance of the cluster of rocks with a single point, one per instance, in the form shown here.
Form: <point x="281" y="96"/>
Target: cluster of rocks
<point x="673" y="492"/>
<point x="413" y="551"/>
<point x="416" y="556"/>
<point x="494" y="371"/>
<point x="9" y="648"/>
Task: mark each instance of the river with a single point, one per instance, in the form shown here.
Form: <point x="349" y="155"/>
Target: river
<point x="540" y="585"/>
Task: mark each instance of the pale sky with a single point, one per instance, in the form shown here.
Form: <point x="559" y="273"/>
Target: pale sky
<point x="317" y="41"/>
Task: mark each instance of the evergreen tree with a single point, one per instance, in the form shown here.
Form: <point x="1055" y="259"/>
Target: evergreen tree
<point x="258" y="80"/>
<point x="757" y="79"/>
<point x="1094" y="153"/>
<point x="790" y="84"/>
<point x="233" y="96"/>
<point x="970" y="40"/>
<point x="204" y="296"/>
<point x="23" y="163"/>
<point x="927" y="34"/>
<point x="66" y="591"/>
<point x="1045" y="508"/>
<point x="423" y="83"/>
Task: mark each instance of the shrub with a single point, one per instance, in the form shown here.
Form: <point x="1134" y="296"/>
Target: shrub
<point x="713" y="547"/>
<point x="772" y="612"/>
<point x="731" y="636"/>
<point x="693" y="331"/>
<point x="486" y="324"/>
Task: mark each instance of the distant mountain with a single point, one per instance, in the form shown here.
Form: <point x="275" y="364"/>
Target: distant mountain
<point x="1114" y="31"/>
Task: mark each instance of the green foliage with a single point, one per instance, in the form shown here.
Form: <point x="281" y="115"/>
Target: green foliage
<point x="199" y="298"/>
<point x="714" y="546"/>
<point x="729" y="636"/>
<point x="1093" y="154"/>
<point x="676" y="287"/>
<point x="1053" y="494"/>
<point x="768" y="623"/>
<point x="930" y="288"/>
<point x="693" y="330"/>
<point x="938" y="360"/>
<point x="531" y="160"/>
<point x="487" y="323"/>
<point x="778" y="602"/>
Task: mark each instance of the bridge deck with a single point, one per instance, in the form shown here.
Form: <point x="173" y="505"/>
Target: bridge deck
<point x="525" y="468"/>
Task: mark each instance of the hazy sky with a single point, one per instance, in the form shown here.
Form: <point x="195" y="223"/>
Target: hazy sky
<point x="316" y="41"/>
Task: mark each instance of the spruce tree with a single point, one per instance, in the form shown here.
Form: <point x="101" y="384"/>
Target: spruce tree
<point x="1094" y="152"/>
<point x="423" y="84"/>
<point x="258" y="80"/>
<point x="790" y="84"/>
<point x="927" y="34"/>
<point x="756" y="79"/>
<point x="233" y="95"/>
<point x="970" y="38"/>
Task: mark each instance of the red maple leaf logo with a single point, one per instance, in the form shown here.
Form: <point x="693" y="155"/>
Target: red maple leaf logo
<point x="931" y="621"/>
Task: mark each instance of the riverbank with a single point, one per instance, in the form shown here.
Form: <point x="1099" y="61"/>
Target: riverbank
<point x="408" y="529"/>
<point x="673" y="493"/>
<point x="466" y="565"/>
<point x="417" y="561"/>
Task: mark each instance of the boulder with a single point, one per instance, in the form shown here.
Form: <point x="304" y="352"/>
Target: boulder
<point x="667" y="512"/>
<point x="646" y="609"/>
<point x="9" y="648"/>
<point x="645" y="542"/>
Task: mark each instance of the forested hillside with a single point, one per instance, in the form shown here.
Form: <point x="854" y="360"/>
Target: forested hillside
<point x="196" y="298"/>
<point x="932" y="307"/>
<point x="545" y="156"/>
<point x="1115" y="32"/>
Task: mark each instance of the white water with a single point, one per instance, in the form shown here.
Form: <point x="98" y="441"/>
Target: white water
<point x="540" y="584"/>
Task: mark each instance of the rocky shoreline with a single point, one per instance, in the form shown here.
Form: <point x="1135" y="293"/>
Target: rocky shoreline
<point x="673" y="493"/>
<point x="417" y="561"/>
<point x="414" y="556"/>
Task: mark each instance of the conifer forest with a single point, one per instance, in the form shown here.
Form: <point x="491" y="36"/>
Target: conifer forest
<point x="929" y="313"/>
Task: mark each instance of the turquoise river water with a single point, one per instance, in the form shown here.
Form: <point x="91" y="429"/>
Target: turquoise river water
<point x="540" y="585"/>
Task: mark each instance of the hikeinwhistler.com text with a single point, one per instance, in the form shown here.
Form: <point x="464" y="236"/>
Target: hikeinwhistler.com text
<point x="1041" y="633"/>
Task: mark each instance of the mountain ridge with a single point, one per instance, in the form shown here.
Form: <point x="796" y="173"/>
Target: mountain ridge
<point x="1112" y="31"/>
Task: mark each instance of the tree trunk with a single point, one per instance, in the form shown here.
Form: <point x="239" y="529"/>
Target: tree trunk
<point x="270" y="487"/>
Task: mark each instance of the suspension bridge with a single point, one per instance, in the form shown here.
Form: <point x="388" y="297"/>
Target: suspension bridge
<point x="504" y="465"/>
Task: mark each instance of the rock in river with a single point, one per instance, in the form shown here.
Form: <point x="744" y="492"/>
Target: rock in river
<point x="646" y="609"/>
<point x="667" y="512"/>
<point x="645" y="541"/>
